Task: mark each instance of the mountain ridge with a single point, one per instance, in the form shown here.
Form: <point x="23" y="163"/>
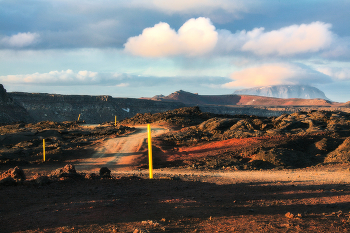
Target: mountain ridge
<point x="285" y="92"/>
<point x="189" y="98"/>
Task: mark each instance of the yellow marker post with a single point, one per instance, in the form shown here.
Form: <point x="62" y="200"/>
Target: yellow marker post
<point x="115" y="120"/>
<point x="78" y="117"/>
<point x="44" y="150"/>
<point x="150" y="152"/>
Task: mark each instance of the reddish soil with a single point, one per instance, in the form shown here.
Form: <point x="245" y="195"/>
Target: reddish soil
<point x="185" y="203"/>
<point x="205" y="187"/>
<point x="213" y="148"/>
<point x="182" y="200"/>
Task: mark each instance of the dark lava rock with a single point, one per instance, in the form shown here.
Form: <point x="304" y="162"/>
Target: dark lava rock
<point x="186" y="116"/>
<point x="8" y="181"/>
<point x="105" y="172"/>
<point x="67" y="171"/>
<point x="15" y="173"/>
<point x="341" y="154"/>
<point x="42" y="180"/>
<point x="92" y="176"/>
<point x="283" y="157"/>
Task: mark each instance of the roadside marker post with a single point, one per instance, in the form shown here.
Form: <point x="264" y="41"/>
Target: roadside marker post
<point x="150" y="152"/>
<point x="115" y="120"/>
<point x="79" y="117"/>
<point x="44" y="150"/>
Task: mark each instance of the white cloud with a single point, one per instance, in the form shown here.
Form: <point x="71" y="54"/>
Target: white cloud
<point x="339" y="49"/>
<point x="336" y="73"/>
<point x="20" y="40"/>
<point x="199" y="6"/>
<point x="123" y="85"/>
<point x="274" y="74"/>
<point x="62" y="78"/>
<point x="198" y="36"/>
<point x="291" y="40"/>
<point x="195" y="37"/>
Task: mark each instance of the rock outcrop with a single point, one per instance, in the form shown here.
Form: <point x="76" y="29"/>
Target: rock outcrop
<point x="10" y="110"/>
<point x="92" y="109"/>
<point x="36" y="107"/>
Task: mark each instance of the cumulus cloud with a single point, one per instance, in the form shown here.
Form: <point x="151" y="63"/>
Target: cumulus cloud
<point x="291" y="40"/>
<point x="19" y="40"/>
<point x="198" y="36"/>
<point x="275" y="74"/>
<point x="195" y="37"/>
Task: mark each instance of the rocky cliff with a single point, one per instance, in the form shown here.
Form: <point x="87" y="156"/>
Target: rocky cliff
<point x="92" y="109"/>
<point x="35" y="107"/>
<point x="10" y="110"/>
<point x="285" y="91"/>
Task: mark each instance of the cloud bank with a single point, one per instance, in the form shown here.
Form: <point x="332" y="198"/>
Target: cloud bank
<point x="275" y="74"/>
<point x="336" y="73"/>
<point x="86" y="78"/>
<point x="195" y="37"/>
<point x="62" y="78"/>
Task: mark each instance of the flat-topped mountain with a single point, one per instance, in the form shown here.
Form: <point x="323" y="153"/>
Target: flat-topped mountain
<point x="234" y="99"/>
<point x="285" y="92"/>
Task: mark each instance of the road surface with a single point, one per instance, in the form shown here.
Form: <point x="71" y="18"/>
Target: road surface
<point x="119" y="153"/>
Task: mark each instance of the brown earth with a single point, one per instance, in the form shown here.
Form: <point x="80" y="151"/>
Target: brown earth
<point x="208" y="177"/>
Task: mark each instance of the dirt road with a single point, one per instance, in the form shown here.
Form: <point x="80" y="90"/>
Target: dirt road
<point x="314" y="199"/>
<point x="118" y="153"/>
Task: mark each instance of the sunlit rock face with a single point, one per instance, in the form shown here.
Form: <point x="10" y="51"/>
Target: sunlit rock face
<point x="285" y="91"/>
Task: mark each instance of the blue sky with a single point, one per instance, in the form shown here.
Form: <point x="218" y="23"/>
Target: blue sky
<point x="142" y="48"/>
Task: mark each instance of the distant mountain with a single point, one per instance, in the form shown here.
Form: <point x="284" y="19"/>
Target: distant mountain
<point x="192" y="99"/>
<point x="285" y="92"/>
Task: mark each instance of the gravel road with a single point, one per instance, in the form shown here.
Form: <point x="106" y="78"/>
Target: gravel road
<point x="118" y="153"/>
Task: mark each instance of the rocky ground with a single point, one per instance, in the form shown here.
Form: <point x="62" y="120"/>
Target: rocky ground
<point x="22" y="144"/>
<point x="194" y="197"/>
<point x="249" y="142"/>
<point x="64" y="200"/>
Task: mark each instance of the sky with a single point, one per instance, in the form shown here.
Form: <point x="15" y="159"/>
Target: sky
<point x="142" y="48"/>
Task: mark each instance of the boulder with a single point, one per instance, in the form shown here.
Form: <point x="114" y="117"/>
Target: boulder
<point x="15" y="173"/>
<point x="105" y="172"/>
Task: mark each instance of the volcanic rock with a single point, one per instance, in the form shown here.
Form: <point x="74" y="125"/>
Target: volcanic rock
<point x="341" y="154"/>
<point x="105" y="172"/>
<point x="67" y="171"/>
<point x="42" y="180"/>
<point x="10" y="110"/>
<point x="15" y="173"/>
